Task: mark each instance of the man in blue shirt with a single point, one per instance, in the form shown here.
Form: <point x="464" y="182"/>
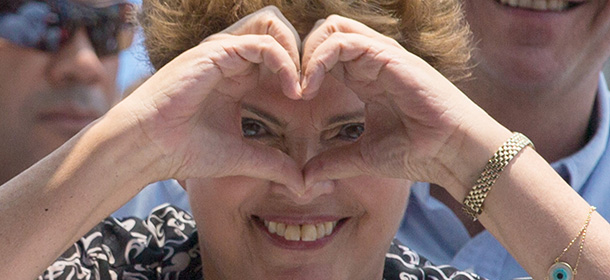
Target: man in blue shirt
<point x="537" y="71"/>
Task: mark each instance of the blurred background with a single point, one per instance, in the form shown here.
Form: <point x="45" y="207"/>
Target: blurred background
<point x="607" y="70"/>
<point x="134" y="64"/>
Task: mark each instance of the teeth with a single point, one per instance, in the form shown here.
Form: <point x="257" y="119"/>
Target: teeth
<point x="309" y="233"/>
<point x="328" y="227"/>
<point x="271" y="226"/>
<point x="293" y="233"/>
<point x="540" y="5"/>
<point x="320" y="230"/>
<point x="280" y="229"/>
<point x="305" y="232"/>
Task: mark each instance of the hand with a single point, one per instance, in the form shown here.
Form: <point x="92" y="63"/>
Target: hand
<point x="418" y="125"/>
<point x="190" y="109"/>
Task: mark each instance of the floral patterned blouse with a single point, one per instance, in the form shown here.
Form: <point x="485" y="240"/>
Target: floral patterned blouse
<point x="165" y="246"/>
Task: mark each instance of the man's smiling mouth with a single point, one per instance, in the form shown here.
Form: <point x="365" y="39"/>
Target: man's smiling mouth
<point x="541" y="5"/>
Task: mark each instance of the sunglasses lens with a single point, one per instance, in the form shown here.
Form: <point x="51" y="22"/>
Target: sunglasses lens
<point x="31" y="25"/>
<point x="46" y="25"/>
<point x="111" y="32"/>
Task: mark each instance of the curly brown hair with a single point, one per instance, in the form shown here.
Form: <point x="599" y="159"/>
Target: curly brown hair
<point x="434" y="30"/>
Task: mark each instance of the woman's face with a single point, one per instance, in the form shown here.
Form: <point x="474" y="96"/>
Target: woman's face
<point x="257" y="229"/>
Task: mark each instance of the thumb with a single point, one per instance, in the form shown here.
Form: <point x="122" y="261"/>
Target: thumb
<point x="338" y="163"/>
<point x="267" y="163"/>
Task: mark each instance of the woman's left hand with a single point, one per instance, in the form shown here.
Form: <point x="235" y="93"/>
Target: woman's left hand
<point x="419" y="126"/>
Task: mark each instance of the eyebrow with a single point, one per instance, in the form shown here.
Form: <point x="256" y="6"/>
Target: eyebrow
<point x="347" y="117"/>
<point x="263" y="115"/>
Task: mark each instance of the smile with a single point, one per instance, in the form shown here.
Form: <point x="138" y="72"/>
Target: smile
<point x="540" y="5"/>
<point x="303" y="232"/>
<point x="295" y="236"/>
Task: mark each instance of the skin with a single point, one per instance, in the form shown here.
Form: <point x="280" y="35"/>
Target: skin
<point x="224" y="208"/>
<point x="536" y="73"/>
<point x="536" y="68"/>
<point x="46" y="98"/>
<point x="185" y="123"/>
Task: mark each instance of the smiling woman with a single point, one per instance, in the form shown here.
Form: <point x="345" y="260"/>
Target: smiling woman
<point x="267" y="228"/>
<point x="296" y="130"/>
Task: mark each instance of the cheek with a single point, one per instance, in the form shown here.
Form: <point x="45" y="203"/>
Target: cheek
<point x="18" y="114"/>
<point x="384" y="201"/>
<point x="375" y="190"/>
<point x="214" y="197"/>
<point x="111" y="67"/>
<point x="218" y="207"/>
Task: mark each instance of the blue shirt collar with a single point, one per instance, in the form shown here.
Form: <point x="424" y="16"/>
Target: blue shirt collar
<point x="577" y="168"/>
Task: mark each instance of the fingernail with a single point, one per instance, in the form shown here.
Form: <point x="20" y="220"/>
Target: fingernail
<point x="299" y="90"/>
<point x="304" y="84"/>
<point x="298" y="191"/>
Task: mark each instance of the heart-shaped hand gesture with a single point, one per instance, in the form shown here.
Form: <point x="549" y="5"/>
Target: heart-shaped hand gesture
<point x="418" y="124"/>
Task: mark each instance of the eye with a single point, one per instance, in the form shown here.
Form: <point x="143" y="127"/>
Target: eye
<point x="351" y="131"/>
<point x="252" y="128"/>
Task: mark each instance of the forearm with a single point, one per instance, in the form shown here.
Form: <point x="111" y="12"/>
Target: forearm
<point x="49" y="206"/>
<point x="535" y="215"/>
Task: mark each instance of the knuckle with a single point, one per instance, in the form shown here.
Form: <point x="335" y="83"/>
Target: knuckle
<point x="272" y="9"/>
<point x="267" y="41"/>
<point x="216" y="37"/>
<point x="334" y="18"/>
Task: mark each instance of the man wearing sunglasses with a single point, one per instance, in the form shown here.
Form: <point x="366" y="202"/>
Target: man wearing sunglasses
<point x="58" y="66"/>
<point x="58" y="70"/>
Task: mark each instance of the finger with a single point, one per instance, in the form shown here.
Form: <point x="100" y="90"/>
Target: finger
<point x="320" y="56"/>
<point x="270" y="21"/>
<point x="233" y="58"/>
<point x="361" y="59"/>
<point x="339" y="163"/>
<point x="333" y="24"/>
<point x="264" y="162"/>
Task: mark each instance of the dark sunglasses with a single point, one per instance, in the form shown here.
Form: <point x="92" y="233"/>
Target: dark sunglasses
<point x="47" y="25"/>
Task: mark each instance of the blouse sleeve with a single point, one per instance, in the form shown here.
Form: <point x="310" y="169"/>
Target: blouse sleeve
<point x="402" y="263"/>
<point x="164" y="246"/>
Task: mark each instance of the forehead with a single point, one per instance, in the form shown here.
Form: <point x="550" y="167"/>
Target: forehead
<point x="333" y="99"/>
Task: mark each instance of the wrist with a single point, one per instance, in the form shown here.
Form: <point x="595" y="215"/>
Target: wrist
<point x="125" y="149"/>
<point x="470" y="153"/>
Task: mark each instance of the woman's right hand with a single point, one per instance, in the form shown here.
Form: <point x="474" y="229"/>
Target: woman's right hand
<point x="189" y="111"/>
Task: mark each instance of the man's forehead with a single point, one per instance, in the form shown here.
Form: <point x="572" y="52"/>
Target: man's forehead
<point x="100" y="3"/>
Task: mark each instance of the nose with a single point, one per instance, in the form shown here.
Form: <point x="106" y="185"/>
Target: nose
<point x="301" y="151"/>
<point x="76" y="63"/>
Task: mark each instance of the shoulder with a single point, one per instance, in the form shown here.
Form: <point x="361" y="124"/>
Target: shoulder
<point x="403" y="263"/>
<point x="164" y="245"/>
